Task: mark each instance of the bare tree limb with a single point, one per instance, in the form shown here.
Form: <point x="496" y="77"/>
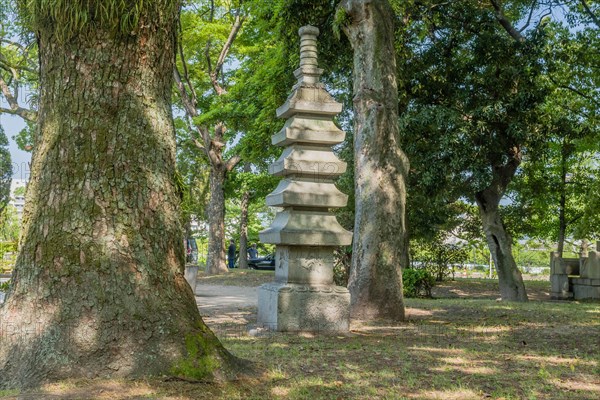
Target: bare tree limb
<point x="188" y="104"/>
<point x="504" y="21"/>
<point x="529" y="17"/>
<point x="207" y="56"/>
<point x="186" y="75"/>
<point x="226" y="47"/>
<point x="191" y="112"/>
<point x="15" y="108"/>
<point x="199" y="145"/>
<point x="213" y="145"/>
<point x="232" y="162"/>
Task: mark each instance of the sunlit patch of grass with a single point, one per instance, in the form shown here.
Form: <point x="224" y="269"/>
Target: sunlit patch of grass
<point x="459" y="394"/>
<point x="449" y="349"/>
<point x="277" y="372"/>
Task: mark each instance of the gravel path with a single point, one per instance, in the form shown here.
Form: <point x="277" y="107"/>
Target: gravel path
<point x="212" y="299"/>
<point x="227" y="310"/>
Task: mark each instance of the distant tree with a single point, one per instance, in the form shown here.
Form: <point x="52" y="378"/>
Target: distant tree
<point x="475" y="90"/>
<point x="438" y="256"/>
<point x="555" y="194"/>
<point x="209" y="31"/>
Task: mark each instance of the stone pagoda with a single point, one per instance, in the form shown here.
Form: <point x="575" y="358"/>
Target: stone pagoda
<point x="303" y="296"/>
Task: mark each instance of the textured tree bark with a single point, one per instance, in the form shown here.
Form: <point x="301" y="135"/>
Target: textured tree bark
<point x="380" y="239"/>
<point x="499" y="241"/>
<point x="244" y="230"/>
<point x="215" y="261"/>
<point x="98" y="288"/>
<point x="562" y="218"/>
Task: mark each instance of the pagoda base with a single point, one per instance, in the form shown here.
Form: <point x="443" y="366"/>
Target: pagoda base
<point x="288" y="307"/>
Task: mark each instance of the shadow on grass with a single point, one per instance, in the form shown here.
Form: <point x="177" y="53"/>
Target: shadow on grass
<point x="448" y="349"/>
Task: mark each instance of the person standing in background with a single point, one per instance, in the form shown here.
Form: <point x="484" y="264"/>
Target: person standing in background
<point x="252" y="252"/>
<point x="231" y="254"/>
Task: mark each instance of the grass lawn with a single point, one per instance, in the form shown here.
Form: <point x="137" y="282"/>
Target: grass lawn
<point x="464" y="346"/>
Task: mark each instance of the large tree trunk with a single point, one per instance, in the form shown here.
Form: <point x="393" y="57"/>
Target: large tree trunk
<point x="562" y="203"/>
<point x="562" y="224"/>
<point x="215" y="261"/>
<point x="380" y="237"/>
<point x="499" y="241"/>
<point x="244" y="230"/>
<point x="98" y="288"/>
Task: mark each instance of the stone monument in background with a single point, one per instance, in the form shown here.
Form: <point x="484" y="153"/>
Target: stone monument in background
<point x="303" y="296"/>
<point x="575" y="278"/>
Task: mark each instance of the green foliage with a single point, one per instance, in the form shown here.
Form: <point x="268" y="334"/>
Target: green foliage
<point x="532" y="253"/>
<point x="474" y="95"/>
<point x="259" y="218"/>
<point x="10" y="225"/>
<point x="4" y="286"/>
<point x="473" y="92"/>
<point x="20" y="191"/>
<point x="75" y="17"/>
<point x="437" y="256"/>
<point x="7" y="247"/>
<point x="342" y="264"/>
<point x="265" y="75"/>
<point x="339" y="21"/>
<point x="25" y="139"/>
<point x="5" y="171"/>
<point x="18" y="64"/>
<point x="555" y="194"/>
<point x="417" y="282"/>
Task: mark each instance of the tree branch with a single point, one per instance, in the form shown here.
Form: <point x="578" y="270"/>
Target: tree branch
<point x="12" y="101"/>
<point x="7" y="66"/>
<point x="506" y="24"/>
<point x="226" y="47"/>
<point x="590" y="12"/>
<point x="188" y="103"/>
<point x="232" y="162"/>
<point x="186" y="75"/>
<point x="576" y="91"/>
<point x="529" y="17"/>
<point x="199" y="145"/>
<point x="191" y="112"/>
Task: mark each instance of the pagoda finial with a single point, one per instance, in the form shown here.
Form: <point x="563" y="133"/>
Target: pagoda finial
<point x="309" y="71"/>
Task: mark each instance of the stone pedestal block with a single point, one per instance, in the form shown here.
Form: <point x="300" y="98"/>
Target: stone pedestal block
<point x="590" y="267"/>
<point x="560" y="288"/>
<point x="191" y="275"/>
<point x="304" y="265"/>
<point x="555" y="264"/>
<point x="584" y="288"/>
<point x="288" y="307"/>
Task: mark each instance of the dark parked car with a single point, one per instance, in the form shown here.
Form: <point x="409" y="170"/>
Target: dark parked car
<point x="266" y="262"/>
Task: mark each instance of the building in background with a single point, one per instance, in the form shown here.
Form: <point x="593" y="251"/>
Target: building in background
<point x="17" y="195"/>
